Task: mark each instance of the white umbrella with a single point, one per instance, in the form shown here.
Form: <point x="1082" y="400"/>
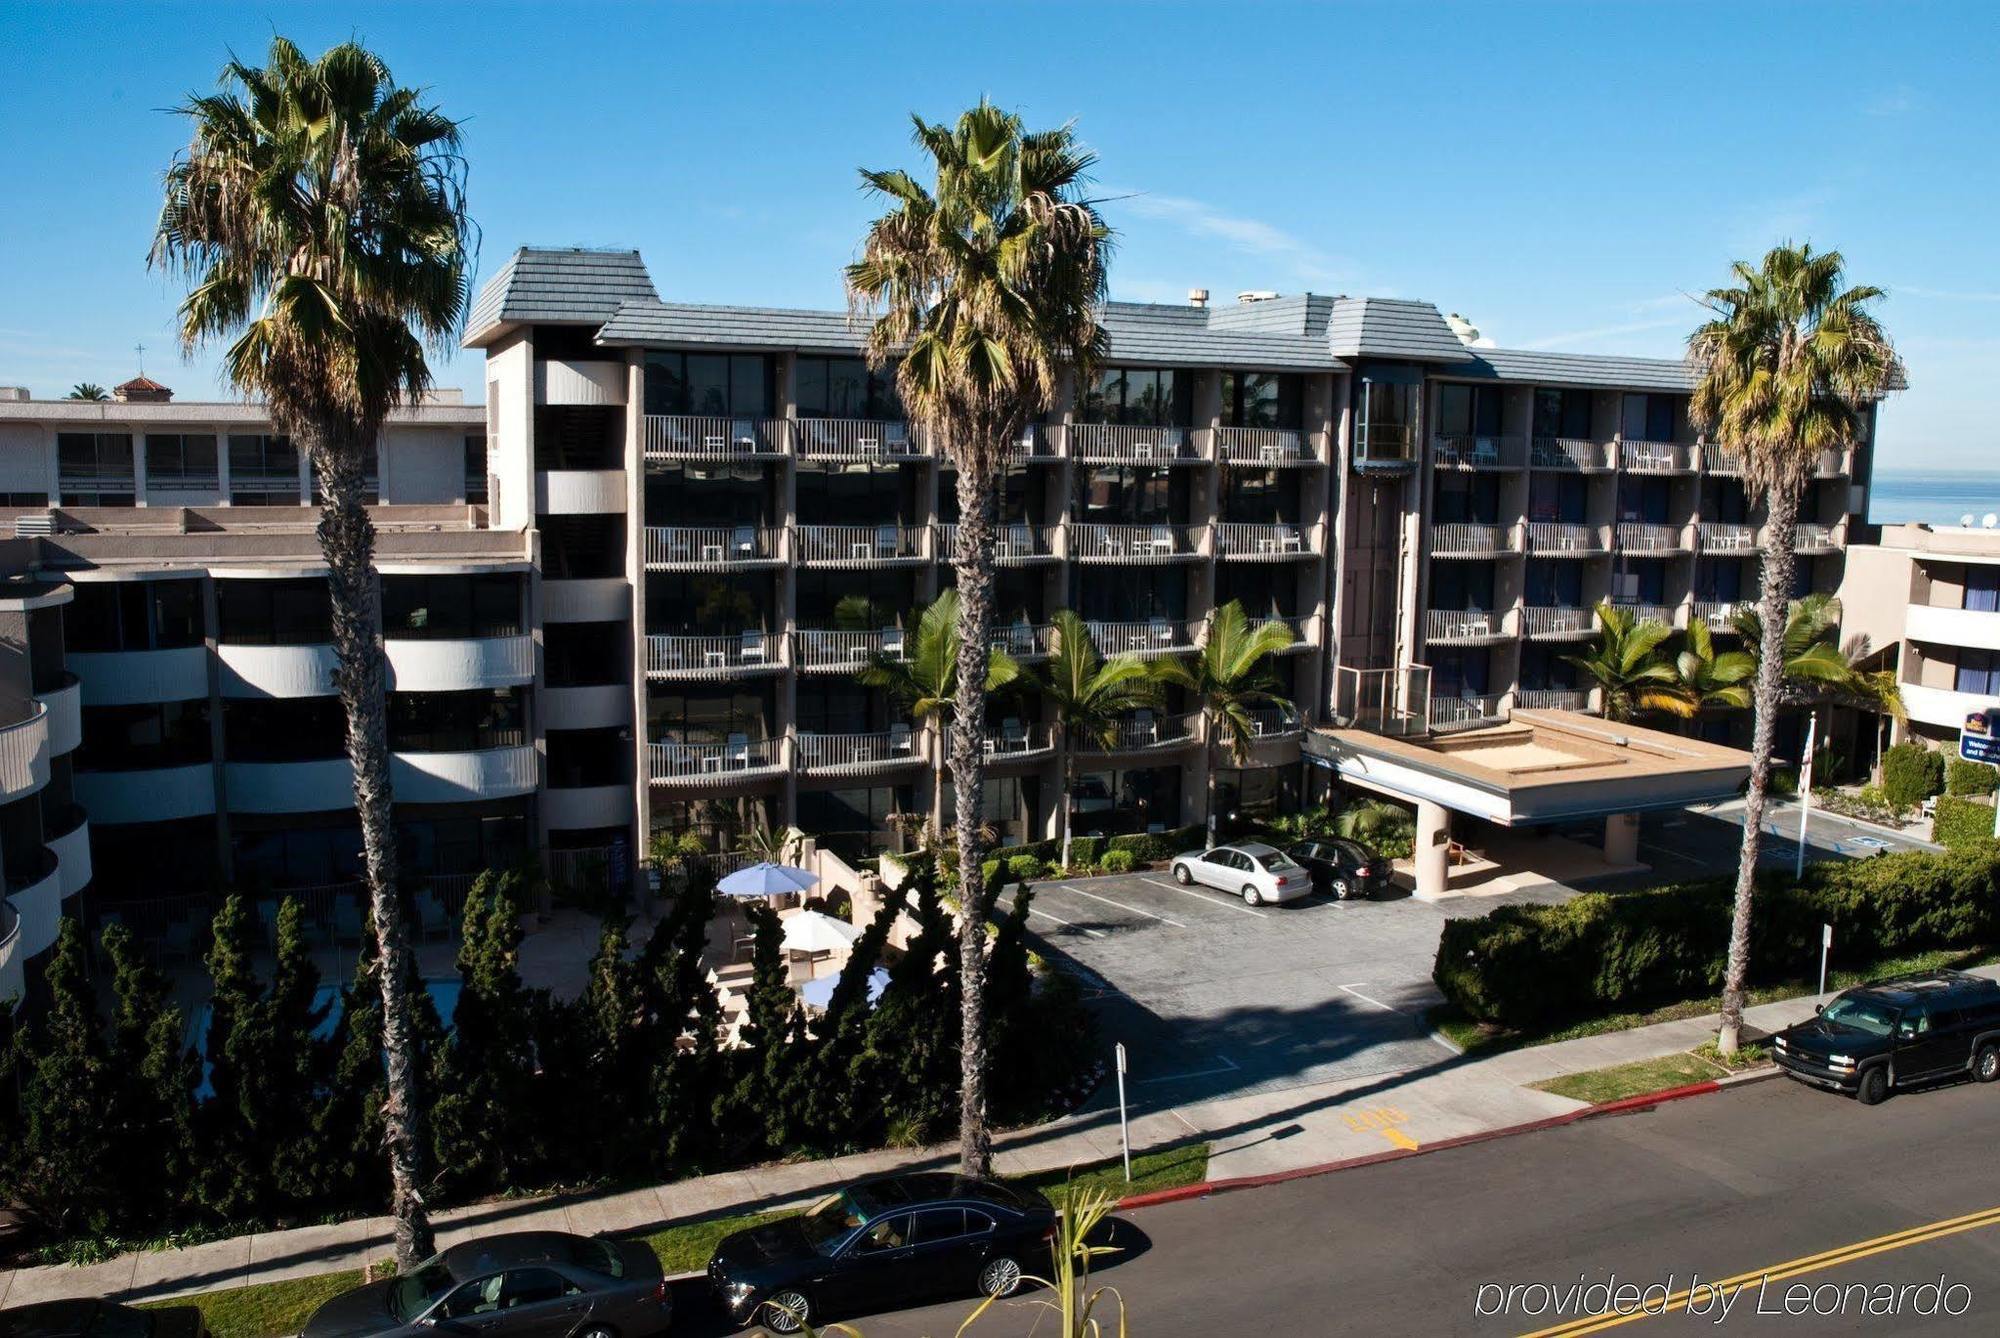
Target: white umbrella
<point x="766" y="879"/>
<point x="815" y="931"/>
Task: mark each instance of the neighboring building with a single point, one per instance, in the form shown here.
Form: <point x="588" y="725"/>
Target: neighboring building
<point x="1927" y="598"/>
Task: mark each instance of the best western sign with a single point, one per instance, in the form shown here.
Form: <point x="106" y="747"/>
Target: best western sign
<point x="1979" y="739"/>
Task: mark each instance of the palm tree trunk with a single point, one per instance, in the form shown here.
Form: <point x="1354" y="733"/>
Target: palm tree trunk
<point x="973" y="563"/>
<point x="1773" y="602"/>
<point x="1069" y="792"/>
<point x="347" y="540"/>
<point x="937" y="789"/>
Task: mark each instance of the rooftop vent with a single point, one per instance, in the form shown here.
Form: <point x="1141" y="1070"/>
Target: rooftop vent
<point x="13" y="394"/>
<point x="1249" y="295"/>
<point x="1197" y="297"/>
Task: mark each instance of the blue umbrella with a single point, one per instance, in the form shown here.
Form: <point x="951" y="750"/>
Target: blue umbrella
<point x="765" y="879"/>
<point x="819" y="993"/>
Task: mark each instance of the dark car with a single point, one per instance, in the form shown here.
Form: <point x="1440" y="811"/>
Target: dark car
<point x="83" y="1318"/>
<point x="881" y="1243"/>
<point x="1895" y="1033"/>
<point x="1343" y="868"/>
<point x="527" y="1284"/>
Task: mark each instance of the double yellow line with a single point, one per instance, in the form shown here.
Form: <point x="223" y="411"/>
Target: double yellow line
<point x="1708" y="1292"/>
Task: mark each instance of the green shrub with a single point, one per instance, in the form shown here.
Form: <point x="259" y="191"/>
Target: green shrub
<point x="988" y="869"/>
<point x="1153" y="847"/>
<point x="1911" y="773"/>
<point x="1084" y="851"/>
<point x="1961" y="822"/>
<point x="1118" y="861"/>
<point x="1023" y="867"/>
<point x="1963" y="776"/>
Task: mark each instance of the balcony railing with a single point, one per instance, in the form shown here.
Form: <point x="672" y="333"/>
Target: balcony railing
<point x="1304" y="630"/>
<point x="1012" y="544"/>
<point x="682" y="437"/>
<point x="1719" y="614"/>
<point x="1464" y="627"/>
<point x="1036" y="442"/>
<point x="1385" y="446"/>
<point x="1025" y="641"/>
<point x="854" y="439"/>
<point x="1274" y="722"/>
<point x="1234" y="540"/>
<point x="1479" y="452"/>
<point x="1558" y="622"/>
<point x="1159" y="636"/>
<point x="1458" y="539"/>
<point x="1273" y="446"/>
<point x="850" y="752"/>
<point x="1456" y="713"/>
<point x="1653" y="613"/>
<point x="1717" y="459"/>
<point x="1815" y="539"/>
<point x="1831" y="464"/>
<point x="1551" y="699"/>
<point x="846" y="650"/>
<point x="694" y="547"/>
<point x="1125" y="444"/>
<point x="740" y="755"/>
<point x="1717" y="537"/>
<point x="1575" y="454"/>
<point x="1014" y="739"/>
<point x="1124" y="543"/>
<point x="1639" y="537"/>
<point x="1654" y="457"/>
<point x="1557" y="538"/>
<point x="858" y="545"/>
<point x="712" y="656"/>
<point x="1143" y="730"/>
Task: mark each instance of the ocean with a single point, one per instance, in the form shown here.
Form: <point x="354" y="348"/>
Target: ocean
<point x="1933" y="496"/>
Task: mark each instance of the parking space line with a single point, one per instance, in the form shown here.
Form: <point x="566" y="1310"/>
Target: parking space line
<point x="1226" y="1066"/>
<point x="1150" y="915"/>
<point x="1349" y="989"/>
<point x="1677" y="854"/>
<point x="1213" y="900"/>
<point x="1056" y="919"/>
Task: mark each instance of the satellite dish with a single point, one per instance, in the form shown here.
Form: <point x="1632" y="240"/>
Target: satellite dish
<point x="1965" y="521"/>
<point x="1991" y="520"/>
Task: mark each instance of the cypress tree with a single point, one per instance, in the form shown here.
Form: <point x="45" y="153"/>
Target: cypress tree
<point x="615" y="1052"/>
<point x="752" y="1116"/>
<point x="292" y="1067"/>
<point x="152" y="1109"/>
<point x="688" y="1072"/>
<point x="835" y="1110"/>
<point x="486" y="1132"/>
<point x="64" y="1171"/>
<point x="911" y="1054"/>
<point x="233" y="1173"/>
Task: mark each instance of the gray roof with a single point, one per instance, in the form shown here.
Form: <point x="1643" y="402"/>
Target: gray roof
<point x="1580" y="369"/>
<point x="1173" y="336"/>
<point x="555" y="286"/>
<point x="1383" y="327"/>
<point x="653" y="322"/>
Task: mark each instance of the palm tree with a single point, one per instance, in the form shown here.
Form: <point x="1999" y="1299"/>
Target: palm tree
<point x="1088" y="695"/>
<point x="987" y="287"/>
<point x="1819" y="670"/>
<point x="319" y="217"/>
<point x="88" y="390"/>
<point x="1633" y="675"/>
<point x="1228" y="678"/>
<point x="1712" y="679"/>
<point x="1790" y="363"/>
<point x="925" y="682"/>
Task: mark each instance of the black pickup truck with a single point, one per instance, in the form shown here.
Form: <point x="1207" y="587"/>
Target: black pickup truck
<point x="1896" y="1033"/>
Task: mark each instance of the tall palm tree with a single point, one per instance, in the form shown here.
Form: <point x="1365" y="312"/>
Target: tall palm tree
<point x="1228" y="678"/>
<point x="987" y="287"/>
<point x="319" y="217"/>
<point x="1818" y="668"/>
<point x="1088" y="695"/>
<point x="924" y="681"/>
<point x="1712" y="679"/>
<point x="88" y="390"/>
<point x="1790" y="363"/>
<point x="1634" y="676"/>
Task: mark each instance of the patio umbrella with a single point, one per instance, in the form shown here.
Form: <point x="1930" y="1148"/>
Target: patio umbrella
<point x="815" y="931"/>
<point x="765" y="879"/>
<point x="819" y="993"/>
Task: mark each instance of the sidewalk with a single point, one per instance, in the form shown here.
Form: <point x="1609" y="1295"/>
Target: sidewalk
<point x="1253" y="1135"/>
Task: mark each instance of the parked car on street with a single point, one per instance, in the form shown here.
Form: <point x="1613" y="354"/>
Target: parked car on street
<point x="87" y="1318"/>
<point x="1254" y="871"/>
<point x="1895" y="1033"/>
<point x="881" y="1243"/>
<point x="525" y="1284"/>
<point x="1342" y="868"/>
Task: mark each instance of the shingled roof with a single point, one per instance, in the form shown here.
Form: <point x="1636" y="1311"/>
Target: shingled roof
<point x="1386" y="327"/>
<point x="556" y="286"/>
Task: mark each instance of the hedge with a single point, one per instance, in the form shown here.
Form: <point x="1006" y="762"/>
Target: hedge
<point x="1911" y="773"/>
<point x="1598" y="953"/>
<point x="1153" y="847"/>
<point x="1084" y="851"/>
<point x="1964" y="776"/>
<point x="1961" y="822"/>
<point x="1119" y="861"/>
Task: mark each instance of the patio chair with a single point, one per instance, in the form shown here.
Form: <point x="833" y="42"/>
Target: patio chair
<point x="743" y="541"/>
<point x="1161" y="630"/>
<point x="752" y="651"/>
<point x="888" y="541"/>
<point x="736" y="753"/>
<point x="892" y="642"/>
<point x="896" y="438"/>
<point x="1013" y="735"/>
<point x="743" y="435"/>
<point x="901" y="743"/>
<point x="1144" y="727"/>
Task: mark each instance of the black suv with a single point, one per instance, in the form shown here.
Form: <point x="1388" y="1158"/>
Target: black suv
<point x="1894" y="1033"/>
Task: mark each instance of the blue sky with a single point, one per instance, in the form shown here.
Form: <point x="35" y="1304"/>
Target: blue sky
<point x="1562" y="174"/>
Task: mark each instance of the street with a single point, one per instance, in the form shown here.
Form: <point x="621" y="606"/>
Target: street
<point x="1764" y="1178"/>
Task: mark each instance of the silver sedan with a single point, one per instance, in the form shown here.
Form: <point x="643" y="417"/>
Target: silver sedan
<point x="1254" y="871"/>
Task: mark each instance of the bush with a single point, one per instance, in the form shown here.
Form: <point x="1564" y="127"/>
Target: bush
<point x="1599" y="953"/>
<point x="1961" y="822"/>
<point x="1153" y="847"/>
<point x="1962" y="776"/>
<point x="1868" y="804"/>
<point x="1021" y="868"/>
<point x="1084" y="851"/>
<point x="1118" y="861"/>
<point x="1911" y="773"/>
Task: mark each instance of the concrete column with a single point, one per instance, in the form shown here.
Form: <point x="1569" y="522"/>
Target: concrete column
<point x="1621" y="838"/>
<point x="1433" y="847"/>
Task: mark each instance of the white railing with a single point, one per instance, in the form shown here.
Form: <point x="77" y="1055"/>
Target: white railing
<point x="24" y="750"/>
<point x="1718" y="537"/>
<point x="1719" y="614"/>
<point x="699" y="546"/>
<point x="1264" y="446"/>
<point x="1118" y="543"/>
<point x="1236" y="540"/>
<point x="1036" y="442"/>
<point x="1557" y="538"/>
<point x="861" y="544"/>
<point x="1648" y="613"/>
<point x="1453" y="713"/>
<point x="1653" y="457"/>
<point x="1552" y="622"/>
<point x="1479" y="452"/>
<point x="673" y="761"/>
<point x="1154" y="637"/>
<point x="1570" y="453"/>
<point x="1011" y="543"/>
<point x="846" y="650"/>
<point x="1832" y="463"/>
<point x="1014" y="739"/>
<point x="1274" y="722"/>
<point x="1717" y="459"/>
<point x="1120" y="443"/>
<point x="1024" y="640"/>
<point x="1461" y="626"/>
<point x="1638" y="537"/>
<point x="854" y="439"/>
<point x="1143" y="729"/>
<point x="1304" y="630"/>
<point x="1813" y="539"/>
<point x="1551" y="699"/>
<point x="825" y="752"/>
<point x="685" y="437"/>
<point x="1459" y="539"/>
<point x="697" y="656"/>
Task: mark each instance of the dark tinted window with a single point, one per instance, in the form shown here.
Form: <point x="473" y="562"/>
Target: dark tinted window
<point x="599" y="1256"/>
<point x="444" y="607"/>
<point x="533" y="1286"/>
<point x="891" y="1233"/>
<point x="275" y="613"/>
<point x="457" y="722"/>
<point x="474" y="1298"/>
<point x="144" y="738"/>
<point x="936" y="1224"/>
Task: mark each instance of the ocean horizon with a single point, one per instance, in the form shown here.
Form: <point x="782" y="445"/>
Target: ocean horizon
<point x="1933" y="496"/>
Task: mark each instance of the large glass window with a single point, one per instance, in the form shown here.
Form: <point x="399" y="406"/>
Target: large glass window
<point x="855" y="600"/>
<point x="300" y="855"/>
<point x="715" y="385"/>
<point x="589" y="757"/>
<point x="705" y="713"/>
<point x="1978" y="672"/>
<point x="582" y="655"/>
<point x="579" y="436"/>
<point x="840" y="705"/>
<point x="275" y="613"/>
<point x="283" y="729"/>
<point x="457" y="722"/>
<point x="1558" y="497"/>
<point x="144" y="738"/>
<point x="856" y="493"/>
<point x="710" y="493"/>
<point x="1639" y="582"/>
<point x="700" y="604"/>
<point x="1112" y="802"/>
<point x="1263" y="399"/>
<point x="263" y="470"/>
<point x="1459" y="671"/>
<point x="1562" y="413"/>
<point x="134" y="615"/>
<point x="1545" y="666"/>
<point x="1462" y="585"/>
<point x="1468" y="411"/>
<point x="1132" y="495"/>
<point x="1982" y="589"/>
<point x="1260" y="496"/>
<point x="1553" y="583"/>
<point x="1462" y="497"/>
<point x="576" y="548"/>
<point x="475" y="467"/>
<point x="854" y="823"/>
<point x="449" y="607"/>
<point x="845" y="388"/>
<point x="182" y="460"/>
<point x="1650" y="417"/>
<point x="448" y="845"/>
<point x="1140" y="396"/>
<point x="95" y="468"/>
<point x="1126" y="594"/>
<point x="1644" y="499"/>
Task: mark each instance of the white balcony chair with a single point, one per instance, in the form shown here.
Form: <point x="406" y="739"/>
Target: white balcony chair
<point x="736" y="753"/>
<point x="892" y="642"/>
<point x="901" y="743"/>
<point x="1013" y="735"/>
<point x="896" y="438"/>
<point x="743" y="435"/>
<point x="752" y="651"/>
<point x="888" y="541"/>
<point x="1161" y="631"/>
<point x="743" y="541"/>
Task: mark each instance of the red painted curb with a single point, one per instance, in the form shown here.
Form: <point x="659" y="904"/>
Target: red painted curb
<point x="1621" y="1106"/>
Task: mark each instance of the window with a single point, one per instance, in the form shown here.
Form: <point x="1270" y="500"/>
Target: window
<point x="283" y="729"/>
<point x="708" y="714"/>
<point x="534" y="1286"/>
<point x="1643" y="499"/>
<point x="846" y="600"/>
<point x="1462" y="585"/>
<point x="1460" y="497"/>
<point x="263" y="470"/>
<point x="1260" y="496"/>
<point x="891" y="1233"/>
<point x="275" y="613"/>
<point x="1563" y="498"/>
<point x="1263" y="399"/>
<point x="582" y="547"/>
<point x="579" y="436"/>
<point x="419" y="608"/>
<point x="589" y="757"/>
<point x="1126" y="594"/>
<point x="27" y="499"/>
<point x="457" y="722"/>
<point x="1132" y="495"/>
<point x="1979" y="672"/>
<point x="710" y="493"/>
<point x="180" y="461"/>
<point x="474" y="1298"/>
<point x="1387" y="415"/>
<point x="579" y="655"/>
<point x="134" y="615"/>
<point x="144" y="738"/>
<point x="1650" y="417"/>
<point x="845" y="388"/>
<point x="94" y="468"/>
<point x="1551" y="582"/>
<point x="1562" y="413"/>
<point x="933" y="1225"/>
<point x="1982" y="589"/>
<point x="857" y="493"/>
<point x="464" y="845"/>
<point x="1142" y="397"/>
<point x="475" y="467"/>
<point x="716" y="385"/>
<point x="1468" y="411"/>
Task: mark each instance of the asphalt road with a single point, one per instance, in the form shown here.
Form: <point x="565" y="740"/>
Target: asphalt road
<point x="1760" y="1179"/>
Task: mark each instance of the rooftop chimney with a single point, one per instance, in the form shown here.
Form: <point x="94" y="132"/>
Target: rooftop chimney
<point x="141" y="390"/>
<point x="1197" y="297"/>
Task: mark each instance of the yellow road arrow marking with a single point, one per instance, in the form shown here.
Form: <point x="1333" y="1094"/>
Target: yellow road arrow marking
<point x="1400" y="1139"/>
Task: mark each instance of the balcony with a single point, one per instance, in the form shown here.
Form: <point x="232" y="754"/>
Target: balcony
<point x="1456" y="539"/>
<point x="71" y="846"/>
<point x="1479" y="452"/>
<point x="1813" y="540"/>
<point x="1575" y="455"/>
<point x="703" y="548"/>
<point x="1558" y="622"/>
<point x="323" y="786"/>
<point x="1449" y="714"/>
<point x="458" y="664"/>
<point x="852" y="439"/>
<point x="680" y="437"/>
<point x="1158" y="636"/>
<point x="1269" y="447"/>
<point x="713" y="658"/>
<point x="580" y="492"/>
<point x="34" y="895"/>
<point x="1943" y="706"/>
<point x="562" y="381"/>
<point x="852" y="754"/>
<point x="1025" y="641"/>
<point x="461" y="777"/>
<point x="574" y="808"/>
<point x="1552" y="699"/>
<point x="1831" y="464"/>
<point x="1556" y="538"/>
<point x="1654" y="613"/>
<point x="856" y="546"/>
<point x="1977" y="629"/>
<point x="1014" y="741"/>
<point x="1715" y="537"/>
<point x="1143" y="731"/>
<point x="24" y="749"/>
<point x="1275" y="722"/>
<point x="1123" y="444"/>
<point x="1134" y="543"/>
<point x="1465" y="627"/>
<point x="598" y="599"/>
<point x="1719" y="615"/>
<point x="1385" y="447"/>
<point x="1639" y="539"/>
<point x="844" y="651"/>
<point x="1655" y="457"/>
<point x="65" y="715"/>
<point x="1268" y="543"/>
<point x="132" y="677"/>
<point x="1013" y="545"/>
<point x="738" y="758"/>
<point x="148" y="795"/>
<point x="1723" y="460"/>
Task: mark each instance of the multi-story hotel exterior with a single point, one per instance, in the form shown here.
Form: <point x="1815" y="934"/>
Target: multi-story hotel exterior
<point x="1928" y="601"/>
<point x="628" y="595"/>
